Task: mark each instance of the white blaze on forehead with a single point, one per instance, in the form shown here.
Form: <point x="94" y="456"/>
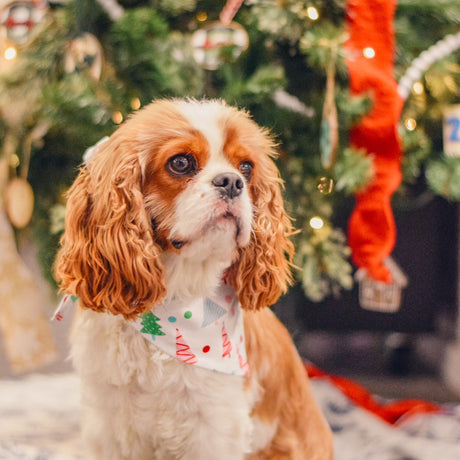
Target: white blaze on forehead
<point x="207" y="118"/>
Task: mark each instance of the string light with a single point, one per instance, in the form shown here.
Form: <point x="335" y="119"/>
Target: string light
<point x="410" y="124"/>
<point x="14" y="161"/>
<point x="369" y="52"/>
<point x="117" y="117"/>
<point x="10" y="53"/>
<point x="312" y="13"/>
<point x="135" y="103"/>
<point x="202" y="16"/>
<point x="316" y="223"/>
<point x="418" y="88"/>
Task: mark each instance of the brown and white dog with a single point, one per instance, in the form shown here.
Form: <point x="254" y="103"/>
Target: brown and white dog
<point x="182" y="195"/>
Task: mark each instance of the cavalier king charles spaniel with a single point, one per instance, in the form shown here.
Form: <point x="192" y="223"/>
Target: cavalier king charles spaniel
<point x="176" y="241"/>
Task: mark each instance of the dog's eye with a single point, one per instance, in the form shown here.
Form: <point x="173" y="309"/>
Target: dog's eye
<point x="183" y="164"/>
<point x="246" y="168"/>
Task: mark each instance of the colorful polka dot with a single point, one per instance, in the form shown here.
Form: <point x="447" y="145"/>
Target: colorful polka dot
<point x="228" y="298"/>
<point x="206" y="349"/>
<point x="172" y="319"/>
<point x="187" y="314"/>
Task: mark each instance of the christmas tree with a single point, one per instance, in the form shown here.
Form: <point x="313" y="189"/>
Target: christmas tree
<point x="77" y="69"/>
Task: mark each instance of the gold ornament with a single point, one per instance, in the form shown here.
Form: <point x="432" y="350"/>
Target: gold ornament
<point x="84" y="54"/>
<point x="19" y="202"/>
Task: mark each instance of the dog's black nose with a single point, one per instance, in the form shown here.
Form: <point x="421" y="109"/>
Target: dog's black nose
<point x="229" y="184"/>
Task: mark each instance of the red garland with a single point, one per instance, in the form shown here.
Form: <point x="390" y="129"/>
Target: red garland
<point x="372" y="230"/>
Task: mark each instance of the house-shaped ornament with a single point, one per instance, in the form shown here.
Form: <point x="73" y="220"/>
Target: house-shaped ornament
<point x="379" y="296"/>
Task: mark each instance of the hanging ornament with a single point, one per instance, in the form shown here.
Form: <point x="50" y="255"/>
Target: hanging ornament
<point x="451" y="130"/>
<point x="329" y="137"/>
<point x="378" y="296"/>
<point x="19" y="202"/>
<point x="19" y="20"/>
<point x="84" y="55"/>
<point x="220" y="41"/>
<point x="217" y="43"/>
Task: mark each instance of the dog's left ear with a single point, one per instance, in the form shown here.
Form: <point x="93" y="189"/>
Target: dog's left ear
<point x="263" y="270"/>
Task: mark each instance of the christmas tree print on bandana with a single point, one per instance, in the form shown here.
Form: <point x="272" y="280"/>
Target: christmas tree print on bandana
<point x="212" y="312"/>
<point x="207" y="332"/>
<point x="151" y="325"/>
<point x="226" y="344"/>
<point x="183" y="352"/>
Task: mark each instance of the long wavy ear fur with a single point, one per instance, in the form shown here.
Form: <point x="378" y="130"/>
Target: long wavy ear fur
<point x="108" y="257"/>
<point x="263" y="270"/>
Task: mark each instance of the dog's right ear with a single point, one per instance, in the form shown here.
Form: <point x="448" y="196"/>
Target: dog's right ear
<point x="108" y="256"/>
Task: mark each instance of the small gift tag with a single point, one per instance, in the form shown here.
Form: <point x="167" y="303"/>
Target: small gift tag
<point x="379" y="296"/>
<point x="67" y="302"/>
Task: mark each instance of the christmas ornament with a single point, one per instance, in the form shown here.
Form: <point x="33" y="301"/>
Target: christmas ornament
<point x="372" y="231"/>
<point x="378" y="296"/>
<point x="325" y="185"/>
<point x="19" y="202"/>
<point x="451" y="130"/>
<point x="420" y="65"/>
<point x="19" y="20"/>
<point x="217" y="43"/>
<point x="84" y="55"/>
<point x="329" y="137"/>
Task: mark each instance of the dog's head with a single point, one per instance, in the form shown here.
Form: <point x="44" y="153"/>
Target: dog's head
<point x="181" y="192"/>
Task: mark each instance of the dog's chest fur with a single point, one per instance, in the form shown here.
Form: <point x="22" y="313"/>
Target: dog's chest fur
<point x="153" y="406"/>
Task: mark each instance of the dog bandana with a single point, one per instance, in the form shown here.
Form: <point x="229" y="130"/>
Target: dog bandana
<point x="207" y="332"/>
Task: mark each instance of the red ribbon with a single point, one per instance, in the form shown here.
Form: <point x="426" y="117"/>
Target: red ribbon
<point x="372" y="230"/>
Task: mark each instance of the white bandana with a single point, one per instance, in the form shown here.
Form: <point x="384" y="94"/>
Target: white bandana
<point x="207" y="332"/>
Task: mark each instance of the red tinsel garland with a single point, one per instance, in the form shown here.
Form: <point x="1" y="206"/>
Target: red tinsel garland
<point x="372" y="230"/>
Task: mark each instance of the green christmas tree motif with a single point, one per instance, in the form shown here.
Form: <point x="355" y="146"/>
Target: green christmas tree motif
<point x="151" y="325"/>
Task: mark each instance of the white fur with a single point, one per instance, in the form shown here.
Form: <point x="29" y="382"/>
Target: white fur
<point x="141" y="404"/>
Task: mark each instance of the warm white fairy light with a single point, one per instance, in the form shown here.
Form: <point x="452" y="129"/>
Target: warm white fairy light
<point x="10" y="53"/>
<point x="369" y="52"/>
<point x="410" y="124"/>
<point x="202" y="16"/>
<point x="418" y="88"/>
<point x="117" y="117"/>
<point x="135" y="103"/>
<point x="316" y="223"/>
<point x="312" y="13"/>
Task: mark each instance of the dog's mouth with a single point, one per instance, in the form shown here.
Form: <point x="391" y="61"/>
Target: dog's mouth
<point x="226" y="220"/>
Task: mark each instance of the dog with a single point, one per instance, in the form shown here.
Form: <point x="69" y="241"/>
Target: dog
<point x="176" y="241"/>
